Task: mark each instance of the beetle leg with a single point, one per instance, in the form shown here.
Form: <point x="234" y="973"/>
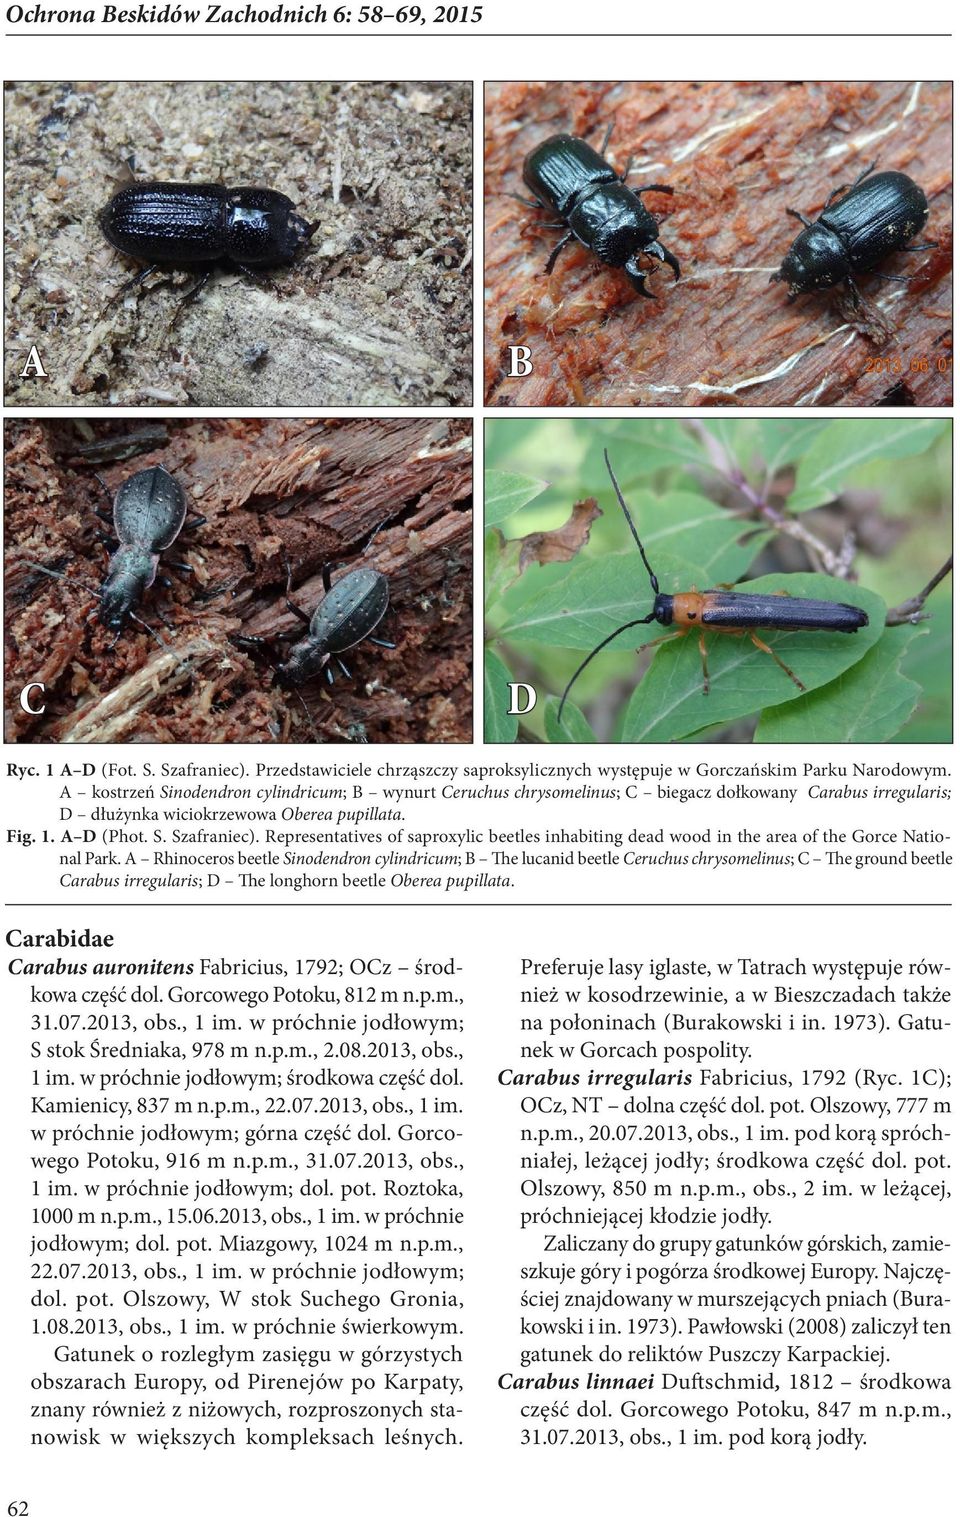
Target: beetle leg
<point x="534" y="205"/>
<point x="703" y="662"/>
<point x="765" y="648"/>
<point x="343" y="669"/>
<point x="132" y="284"/>
<point x="252" y="274"/>
<point x="920" y="247"/>
<point x="297" y="610"/>
<point x="606" y="139"/>
<point x="664" y="189"/>
<point x="852" y="287"/>
<point x="895" y="278"/>
<point x="188" y="299"/>
<point x="557" y="251"/>
<point x="381" y="642"/>
<point x="105" y="512"/>
<point x="198" y="521"/>
<point x="292" y="605"/>
<point x="799" y="216"/>
<point x="861" y="177"/>
<point x="840" y="190"/>
<point x="329" y="674"/>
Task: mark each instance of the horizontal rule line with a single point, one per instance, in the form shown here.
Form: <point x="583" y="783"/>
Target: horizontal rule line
<point x="491" y="36"/>
<point x="459" y="905"/>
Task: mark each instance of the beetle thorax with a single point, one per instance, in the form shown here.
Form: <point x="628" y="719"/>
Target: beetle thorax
<point x="614" y="222"/>
<point x="132" y="571"/>
<point x="817" y="260"/>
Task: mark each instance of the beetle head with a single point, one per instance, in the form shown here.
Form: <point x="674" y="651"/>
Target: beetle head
<point x="305" y="660"/>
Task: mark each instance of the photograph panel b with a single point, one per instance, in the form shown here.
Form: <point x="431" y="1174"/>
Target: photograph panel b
<point x="718" y="244"/>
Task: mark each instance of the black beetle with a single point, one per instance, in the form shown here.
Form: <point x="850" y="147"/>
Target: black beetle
<point x="148" y="514"/>
<point x="872" y="218"/>
<point x="185" y="225"/>
<point x="349" y="613"/>
<point x="576" y="183"/>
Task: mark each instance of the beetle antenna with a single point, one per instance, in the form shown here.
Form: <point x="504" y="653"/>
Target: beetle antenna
<point x="641" y="621"/>
<point x="147" y="628"/>
<point x="306" y="711"/>
<point x="646" y="562"/>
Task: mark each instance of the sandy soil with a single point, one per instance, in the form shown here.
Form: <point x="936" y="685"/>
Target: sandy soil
<point x="377" y="315"/>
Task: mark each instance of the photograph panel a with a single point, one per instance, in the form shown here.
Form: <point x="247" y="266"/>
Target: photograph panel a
<point x="718" y="244"/>
<point x="258" y="244"/>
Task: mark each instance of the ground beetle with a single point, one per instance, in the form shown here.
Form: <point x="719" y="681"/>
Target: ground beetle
<point x="185" y="225"/>
<point x="725" y="610"/>
<point x="350" y="612"/>
<point x="595" y="204"/>
<point x="872" y="218"/>
<point x="148" y="514"/>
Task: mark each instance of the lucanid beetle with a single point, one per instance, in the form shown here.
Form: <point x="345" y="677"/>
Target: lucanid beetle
<point x="185" y="225"/>
<point x="725" y="610"/>
<point x="595" y="204"/>
<point x="871" y="218"/>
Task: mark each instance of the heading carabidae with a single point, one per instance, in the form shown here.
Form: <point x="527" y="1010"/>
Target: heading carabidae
<point x="859" y="225"/>
<point x="186" y="225"/>
<point x="595" y="204"/>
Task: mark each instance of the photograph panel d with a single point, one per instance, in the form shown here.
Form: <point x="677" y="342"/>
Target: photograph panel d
<point x="718" y="244"/>
<point x="238" y="580"/>
<point x="735" y="580"/>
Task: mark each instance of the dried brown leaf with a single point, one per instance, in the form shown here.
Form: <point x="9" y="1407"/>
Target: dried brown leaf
<point x="560" y="545"/>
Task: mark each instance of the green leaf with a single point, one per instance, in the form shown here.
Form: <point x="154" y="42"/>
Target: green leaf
<point x="501" y="566"/>
<point x="785" y="440"/>
<point x="929" y="661"/>
<point x="669" y="702"/>
<point x="867" y="704"/>
<point x="661" y="443"/>
<point x="498" y="727"/>
<point x="505" y="494"/>
<point x="847" y="445"/>
<point x="573" y="729"/>
<point x="688" y="540"/>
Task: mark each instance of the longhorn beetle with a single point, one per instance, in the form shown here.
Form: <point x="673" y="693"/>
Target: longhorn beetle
<point x="728" y="611"/>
